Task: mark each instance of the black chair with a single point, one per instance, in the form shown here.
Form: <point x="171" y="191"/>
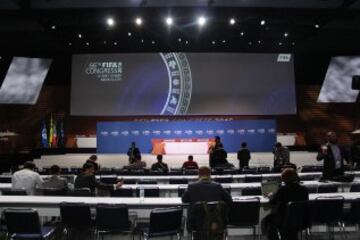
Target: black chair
<point x="122" y="192"/>
<point x="80" y="192"/>
<point x="105" y="171"/>
<point x="112" y="218"/>
<point x="191" y="171"/>
<point x="329" y="211"/>
<point x="13" y="192"/>
<point x="250" y="179"/>
<point x="312" y="189"/>
<point x="251" y="170"/>
<point x="251" y="191"/>
<point x="149" y="192"/>
<point x="352" y="216"/>
<point x="5" y="179"/>
<point x="227" y="188"/>
<point x="327" y="189"/>
<point x="129" y="181"/>
<point x="245" y="214"/>
<point x="199" y="224"/>
<point x="75" y="216"/>
<point x="147" y="182"/>
<point x="355" y="188"/>
<point x="53" y="191"/>
<point x="25" y="224"/>
<point x="297" y="217"/>
<point x="263" y="170"/>
<point x="179" y="181"/>
<point x="181" y="191"/>
<point x="64" y="170"/>
<point x="308" y="177"/>
<point x="164" y="222"/>
<point x="109" y="180"/>
<point x="223" y="179"/>
<point x="311" y="168"/>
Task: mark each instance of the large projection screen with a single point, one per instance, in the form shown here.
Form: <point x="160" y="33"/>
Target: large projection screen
<point x="182" y="84"/>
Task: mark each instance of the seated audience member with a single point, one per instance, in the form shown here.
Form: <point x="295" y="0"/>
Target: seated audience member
<point x="244" y="156"/>
<point x="281" y="156"/>
<point x="92" y="159"/>
<point x="55" y="181"/>
<point x="133" y="152"/>
<point x="333" y="156"/>
<point x="204" y="190"/>
<point x="160" y="165"/>
<point x="86" y="179"/>
<point x="137" y="164"/>
<point x="292" y="191"/>
<point x="190" y="163"/>
<point x="27" y="179"/>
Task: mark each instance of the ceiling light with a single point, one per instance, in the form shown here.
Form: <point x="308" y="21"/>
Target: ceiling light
<point x="263" y="22"/>
<point x="250" y="43"/>
<point x="105" y="42"/>
<point x="223" y="41"/>
<point x="110" y="22"/>
<point x="293" y="43"/>
<point x="179" y="39"/>
<point x="129" y="34"/>
<point x="201" y="21"/>
<point x="317" y="26"/>
<point x="169" y="21"/>
<point x="138" y="21"/>
<point x="79" y="35"/>
<point x="87" y="43"/>
<point x="153" y="42"/>
<point x="142" y="40"/>
<point x="286" y="34"/>
<point x="280" y="43"/>
<point x="259" y="41"/>
<point x="69" y="43"/>
<point x="213" y="42"/>
<point x="186" y="42"/>
<point x="232" y="21"/>
<point x="115" y="43"/>
<point x="242" y="33"/>
<point x="53" y="27"/>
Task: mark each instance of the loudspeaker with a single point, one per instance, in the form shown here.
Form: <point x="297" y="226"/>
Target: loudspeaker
<point x="355" y="83"/>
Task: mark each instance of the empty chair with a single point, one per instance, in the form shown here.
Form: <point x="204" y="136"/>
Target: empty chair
<point x="109" y="180"/>
<point x="263" y="170"/>
<point x="312" y="189"/>
<point x="191" y="171"/>
<point x="149" y="192"/>
<point x="54" y="191"/>
<point x="75" y="216"/>
<point x="297" y="217"/>
<point x="25" y="224"/>
<point x="311" y="168"/>
<point x="122" y="192"/>
<point x="181" y="191"/>
<point x="148" y="182"/>
<point x="112" y="218"/>
<point x="176" y="171"/>
<point x="355" y="188"/>
<point x="308" y="177"/>
<point x="251" y="170"/>
<point x="179" y="181"/>
<point x="244" y="214"/>
<point x="5" y="179"/>
<point x="328" y="210"/>
<point x="80" y="192"/>
<point x="327" y="189"/>
<point x="13" y="192"/>
<point x="224" y="179"/>
<point x="352" y="216"/>
<point x="251" y="191"/>
<point x="164" y="222"/>
<point x="129" y="181"/>
<point x="105" y="171"/>
<point x="249" y="179"/>
<point x="227" y="188"/>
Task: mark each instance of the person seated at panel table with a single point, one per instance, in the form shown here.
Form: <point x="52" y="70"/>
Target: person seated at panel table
<point x="27" y="179"/>
<point x="160" y="166"/>
<point x="133" y="152"/>
<point x="292" y="191"/>
<point x="137" y="164"/>
<point x="87" y="179"/>
<point x="190" y="163"/>
<point x="55" y="181"/>
<point x="92" y="159"/>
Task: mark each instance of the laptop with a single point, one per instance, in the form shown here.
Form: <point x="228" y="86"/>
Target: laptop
<point x="268" y="187"/>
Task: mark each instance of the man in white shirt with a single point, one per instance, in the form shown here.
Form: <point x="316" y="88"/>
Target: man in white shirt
<point x="27" y="179"/>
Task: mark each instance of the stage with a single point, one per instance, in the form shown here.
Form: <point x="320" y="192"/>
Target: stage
<point x="300" y="158"/>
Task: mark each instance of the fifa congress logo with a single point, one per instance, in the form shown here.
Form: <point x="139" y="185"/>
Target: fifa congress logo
<point x="180" y="84"/>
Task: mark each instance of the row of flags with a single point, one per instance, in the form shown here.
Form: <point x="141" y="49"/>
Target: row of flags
<point x="54" y="136"/>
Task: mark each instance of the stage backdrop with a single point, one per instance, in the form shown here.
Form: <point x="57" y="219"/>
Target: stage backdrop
<point x="115" y="137"/>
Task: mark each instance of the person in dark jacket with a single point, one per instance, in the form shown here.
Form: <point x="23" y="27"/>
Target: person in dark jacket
<point x="86" y="179"/>
<point x="133" y="152"/>
<point x="333" y="156"/>
<point x="244" y="156"/>
<point x="92" y="159"/>
<point x="160" y="166"/>
<point x="292" y="191"/>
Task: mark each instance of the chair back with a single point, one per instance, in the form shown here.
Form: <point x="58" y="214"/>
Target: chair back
<point x="53" y="191"/>
<point x="250" y="179"/>
<point x="179" y="181"/>
<point x="165" y="221"/>
<point x="75" y="215"/>
<point x="5" y="179"/>
<point x="147" y="182"/>
<point x="109" y="180"/>
<point x="298" y="216"/>
<point x="13" y="192"/>
<point x="244" y="213"/>
<point x="21" y="221"/>
<point x="263" y="170"/>
<point x="112" y="217"/>
<point x="181" y="191"/>
<point x="355" y="188"/>
<point x="223" y="179"/>
<point x="327" y="189"/>
<point x="80" y="192"/>
<point x="312" y="189"/>
<point x="354" y="212"/>
<point x="122" y="192"/>
<point x="328" y="209"/>
<point x="149" y="192"/>
<point x="251" y="191"/>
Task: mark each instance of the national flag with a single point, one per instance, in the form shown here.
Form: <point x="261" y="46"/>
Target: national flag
<point x="61" y="142"/>
<point x="44" y="136"/>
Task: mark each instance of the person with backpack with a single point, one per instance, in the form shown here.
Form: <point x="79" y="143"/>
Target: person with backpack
<point x="198" y="195"/>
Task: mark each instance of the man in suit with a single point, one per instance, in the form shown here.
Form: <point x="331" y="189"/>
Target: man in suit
<point x="243" y="155"/>
<point x="204" y="190"/>
<point x="160" y="166"/>
<point x="333" y="156"/>
<point x="281" y="156"/>
<point x="133" y="152"/>
<point x="55" y="181"/>
<point x="292" y="191"/>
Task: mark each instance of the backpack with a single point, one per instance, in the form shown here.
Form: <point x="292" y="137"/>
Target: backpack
<point x="214" y="223"/>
